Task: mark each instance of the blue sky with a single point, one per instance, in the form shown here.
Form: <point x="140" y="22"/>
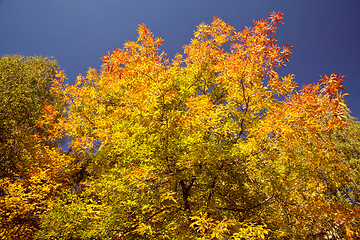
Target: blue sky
<point x="325" y="33"/>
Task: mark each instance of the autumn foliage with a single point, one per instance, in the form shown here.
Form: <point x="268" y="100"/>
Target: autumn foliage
<point x="212" y="144"/>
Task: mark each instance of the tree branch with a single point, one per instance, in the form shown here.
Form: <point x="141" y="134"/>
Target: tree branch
<point x="234" y="209"/>
<point x="134" y="227"/>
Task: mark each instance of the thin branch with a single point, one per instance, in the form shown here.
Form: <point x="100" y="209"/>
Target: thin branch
<point x="254" y="153"/>
<point x="212" y="186"/>
<point x="234" y="209"/>
<point x="134" y="227"/>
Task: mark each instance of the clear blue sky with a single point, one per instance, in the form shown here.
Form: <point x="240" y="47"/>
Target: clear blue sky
<point x="325" y="33"/>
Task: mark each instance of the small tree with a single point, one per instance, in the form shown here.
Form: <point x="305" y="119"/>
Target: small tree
<point x="29" y="170"/>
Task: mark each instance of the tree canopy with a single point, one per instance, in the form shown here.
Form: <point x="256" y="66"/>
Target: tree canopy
<point x="30" y="172"/>
<point x="213" y="144"/>
<point x="25" y="89"/>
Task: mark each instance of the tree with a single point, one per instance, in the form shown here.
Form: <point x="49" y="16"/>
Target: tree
<point x="30" y="172"/>
<point x="25" y="89"/>
<point x="211" y="145"/>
